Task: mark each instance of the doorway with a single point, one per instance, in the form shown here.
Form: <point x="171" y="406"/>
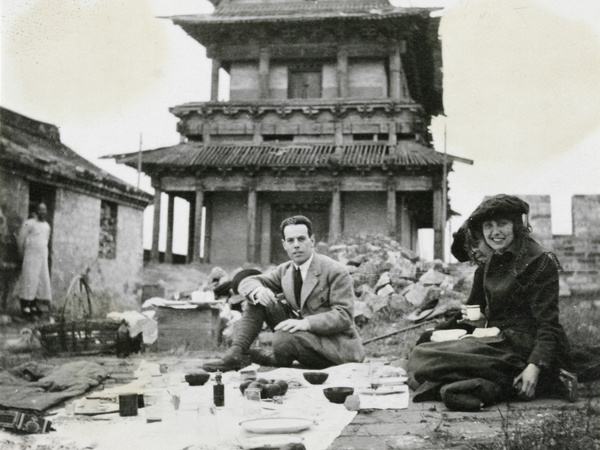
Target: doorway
<point x="43" y="193"/>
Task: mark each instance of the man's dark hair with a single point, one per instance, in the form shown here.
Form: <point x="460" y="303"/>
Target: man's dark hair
<point x="296" y="220"/>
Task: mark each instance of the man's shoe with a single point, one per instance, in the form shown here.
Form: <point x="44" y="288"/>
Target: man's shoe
<point x="234" y="359"/>
<point x="262" y="356"/>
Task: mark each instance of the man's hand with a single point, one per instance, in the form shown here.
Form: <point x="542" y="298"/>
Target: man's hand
<point x="293" y="325"/>
<point x="265" y="296"/>
<point x="528" y="381"/>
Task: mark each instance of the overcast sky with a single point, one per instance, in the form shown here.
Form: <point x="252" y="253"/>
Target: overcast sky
<point x="521" y="87"/>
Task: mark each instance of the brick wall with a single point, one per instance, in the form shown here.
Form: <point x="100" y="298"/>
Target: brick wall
<point x="580" y="253"/>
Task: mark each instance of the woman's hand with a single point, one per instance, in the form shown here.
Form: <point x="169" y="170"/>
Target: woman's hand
<point x="527" y="380"/>
<point x="480" y="323"/>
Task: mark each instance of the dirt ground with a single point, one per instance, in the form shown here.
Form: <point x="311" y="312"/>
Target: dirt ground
<point x="422" y="426"/>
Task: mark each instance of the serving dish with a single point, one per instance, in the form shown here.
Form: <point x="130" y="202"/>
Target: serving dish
<point x="276" y="425"/>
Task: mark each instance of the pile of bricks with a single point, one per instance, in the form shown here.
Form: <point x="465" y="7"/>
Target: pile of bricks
<point x="391" y="279"/>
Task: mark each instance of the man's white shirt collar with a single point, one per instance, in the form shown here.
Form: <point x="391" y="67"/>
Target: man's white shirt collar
<point x="304" y="266"/>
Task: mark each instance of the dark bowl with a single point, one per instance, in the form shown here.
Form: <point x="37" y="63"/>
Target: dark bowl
<point x="338" y="394"/>
<point x="197" y="379"/>
<point x="315" y="377"/>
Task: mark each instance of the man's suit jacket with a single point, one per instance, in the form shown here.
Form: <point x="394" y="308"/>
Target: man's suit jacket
<point x="327" y="302"/>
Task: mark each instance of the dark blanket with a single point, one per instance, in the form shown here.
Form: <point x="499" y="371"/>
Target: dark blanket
<point x="36" y="387"/>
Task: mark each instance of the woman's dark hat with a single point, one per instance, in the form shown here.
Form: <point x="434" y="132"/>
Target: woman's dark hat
<point x="501" y="205"/>
<point x="459" y="244"/>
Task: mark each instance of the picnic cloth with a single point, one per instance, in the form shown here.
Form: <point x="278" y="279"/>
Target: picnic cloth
<point x="36" y="387"/>
<point x="194" y="426"/>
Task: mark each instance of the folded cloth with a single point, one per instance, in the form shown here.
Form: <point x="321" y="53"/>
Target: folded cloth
<point x="138" y="323"/>
<point x="470" y="395"/>
<point x="37" y="387"/>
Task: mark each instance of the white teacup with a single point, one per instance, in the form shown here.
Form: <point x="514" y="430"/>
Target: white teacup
<point x="473" y="312"/>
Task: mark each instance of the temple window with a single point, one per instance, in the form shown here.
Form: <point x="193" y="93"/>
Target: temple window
<point x="305" y="81"/>
<point x="108" y="230"/>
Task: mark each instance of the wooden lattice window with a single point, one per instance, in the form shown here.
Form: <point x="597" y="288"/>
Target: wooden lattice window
<point x="108" y="230"/>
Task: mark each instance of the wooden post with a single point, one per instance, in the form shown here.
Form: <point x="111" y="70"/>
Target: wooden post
<point x="342" y="72"/>
<point x="391" y="208"/>
<point x="214" y="80"/>
<point x="257" y="136"/>
<point x="198" y="222"/>
<point x="170" y="220"/>
<point x="405" y="225"/>
<point x="252" y="216"/>
<point x="395" y="68"/>
<point x="339" y="133"/>
<point x="392" y="134"/>
<point x="438" y="225"/>
<point x="191" y="226"/>
<point x="206" y="132"/>
<point x="263" y="73"/>
<point x="335" y="222"/>
<point x="154" y="253"/>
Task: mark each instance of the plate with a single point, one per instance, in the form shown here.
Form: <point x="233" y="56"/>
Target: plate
<point x="447" y="335"/>
<point x="393" y="381"/>
<point x="274" y="425"/>
<point x="384" y="390"/>
<point x="272" y="441"/>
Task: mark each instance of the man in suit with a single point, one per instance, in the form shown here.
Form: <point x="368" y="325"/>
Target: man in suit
<point x="308" y="302"/>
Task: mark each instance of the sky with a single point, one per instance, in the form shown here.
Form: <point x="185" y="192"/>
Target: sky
<point x="521" y="89"/>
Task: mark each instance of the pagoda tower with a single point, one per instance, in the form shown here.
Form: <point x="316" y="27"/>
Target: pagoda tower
<point x="328" y="113"/>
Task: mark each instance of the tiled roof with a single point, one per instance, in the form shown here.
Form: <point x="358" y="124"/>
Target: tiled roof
<point x="259" y="9"/>
<point x="34" y="147"/>
<point x="191" y="154"/>
<point x="265" y="12"/>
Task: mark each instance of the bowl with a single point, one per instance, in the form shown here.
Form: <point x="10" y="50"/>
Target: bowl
<point x="197" y="379"/>
<point x="315" y="377"/>
<point x="338" y="394"/>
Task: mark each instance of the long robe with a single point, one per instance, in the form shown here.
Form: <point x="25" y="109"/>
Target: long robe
<point x="521" y="299"/>
<point x="34" y="281"/>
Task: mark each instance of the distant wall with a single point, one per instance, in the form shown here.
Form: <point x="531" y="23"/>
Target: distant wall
<point x="579" y="253"/>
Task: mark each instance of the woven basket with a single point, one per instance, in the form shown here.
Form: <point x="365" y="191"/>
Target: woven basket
<point x="79" y="336"/>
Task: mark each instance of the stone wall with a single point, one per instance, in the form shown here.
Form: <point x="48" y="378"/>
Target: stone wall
<point x="579" y="253"/>
<point x="75" y="247"/>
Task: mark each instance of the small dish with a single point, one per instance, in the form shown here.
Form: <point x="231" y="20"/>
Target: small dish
<point x="315" y="377"/>
<point x="337" y="394"/>
<point x="197" y="379"/>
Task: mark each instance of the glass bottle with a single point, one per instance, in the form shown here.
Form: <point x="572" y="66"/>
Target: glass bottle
<point x="218" y="391"/>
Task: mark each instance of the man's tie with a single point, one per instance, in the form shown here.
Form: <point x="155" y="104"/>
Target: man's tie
<point x="297" y="285"/>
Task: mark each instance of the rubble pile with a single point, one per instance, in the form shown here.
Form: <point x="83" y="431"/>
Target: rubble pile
<point x="392" y="280"/>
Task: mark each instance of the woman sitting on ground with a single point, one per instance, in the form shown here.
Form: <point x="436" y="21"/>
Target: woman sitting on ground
<point x="517" y="289"/>
<point x="466" y="246"/>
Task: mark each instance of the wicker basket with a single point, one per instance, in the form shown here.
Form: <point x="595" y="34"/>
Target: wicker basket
<point x="80" y="336"/>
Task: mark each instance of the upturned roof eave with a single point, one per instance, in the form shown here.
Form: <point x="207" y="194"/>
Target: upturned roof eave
<point x="212" y="19"/>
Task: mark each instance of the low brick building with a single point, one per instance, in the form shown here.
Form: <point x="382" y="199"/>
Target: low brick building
<point x="96" y="219"/>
